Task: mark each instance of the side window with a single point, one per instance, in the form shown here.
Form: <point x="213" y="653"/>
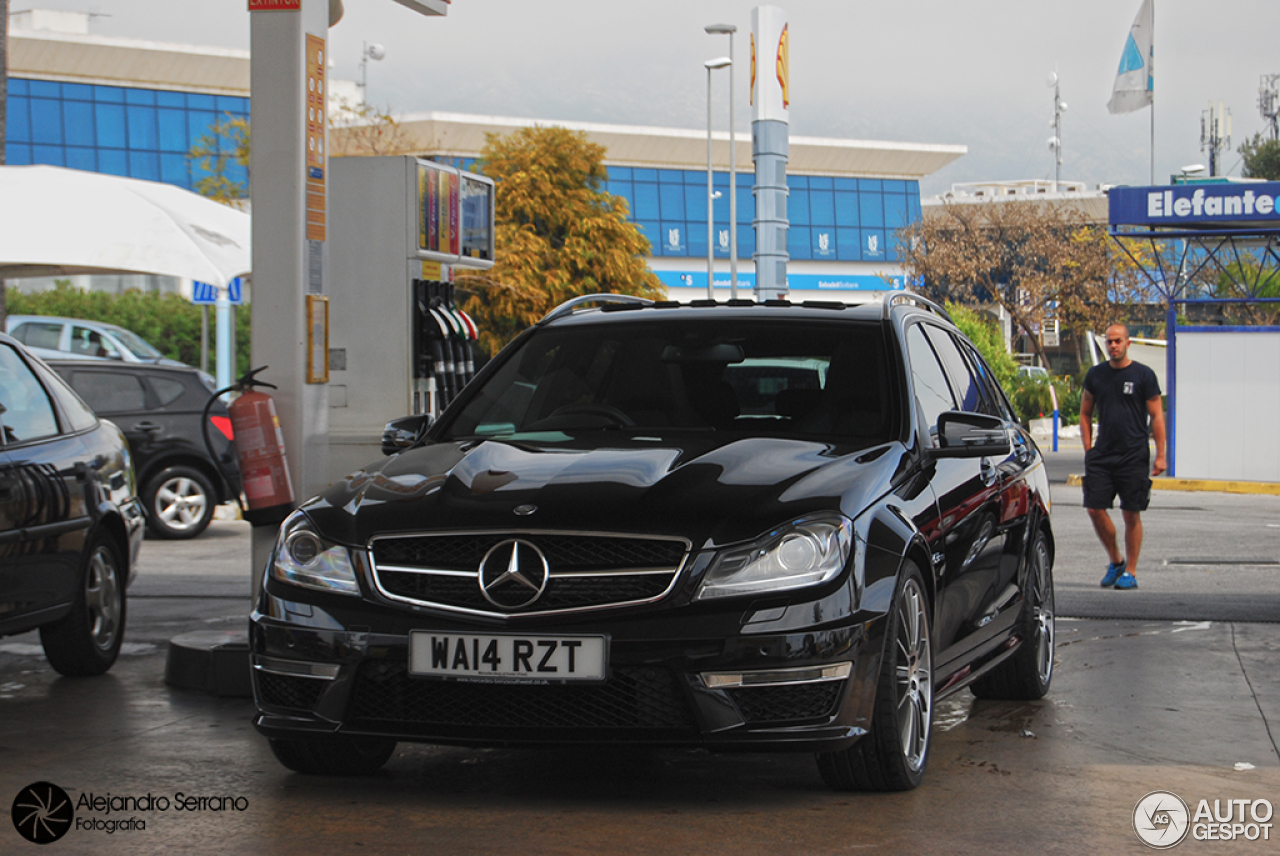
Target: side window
<point x="109" y="392"/>
<point x="166" y="389"/>
<point x="999" y="403"/>
<point x="39" y="334"/>
<point x="972" y="393"/>
<point x="933" y="393"/>
<point x="28" y="413"/>
<point x="79" y="416"/>
<point x="90" y="343"/>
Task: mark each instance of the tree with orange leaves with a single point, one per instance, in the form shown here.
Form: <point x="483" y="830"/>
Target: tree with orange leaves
<point x="559" y="234"/>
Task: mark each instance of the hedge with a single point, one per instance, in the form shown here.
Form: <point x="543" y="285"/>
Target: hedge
<point x="170" y="322"/>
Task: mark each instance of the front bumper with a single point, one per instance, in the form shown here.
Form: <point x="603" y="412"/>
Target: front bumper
<point x="804" y="689"/>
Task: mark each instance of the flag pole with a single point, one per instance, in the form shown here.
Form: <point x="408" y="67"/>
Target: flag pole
<point x="1151" y="70"/>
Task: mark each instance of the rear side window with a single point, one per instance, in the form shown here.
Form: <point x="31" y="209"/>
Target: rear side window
<point x="28" y="413"/>
<point x="39" y="334"/>
<point x="167" y="390"/>
<point x="110" y="392"/>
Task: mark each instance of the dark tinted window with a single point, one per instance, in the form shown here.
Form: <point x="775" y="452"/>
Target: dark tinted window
<point x="995" y="395"/>
<point x="972" y="394"/>
<point x="109" y="392"/>
<point x="166" y="389"/>
<point x="805" y="379"/>
<point x="28" y="414"/>
<point x="933" y="392"/>
<point x="79" y="416"/>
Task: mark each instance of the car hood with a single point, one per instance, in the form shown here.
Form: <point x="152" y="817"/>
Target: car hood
<point x="711" y="491"/>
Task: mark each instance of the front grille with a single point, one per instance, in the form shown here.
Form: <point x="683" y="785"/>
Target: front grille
<point x="386" y="698"/>
<point x="586" y="571"/>
<point x="787" y="703"/>
<point x="288" y="690"/>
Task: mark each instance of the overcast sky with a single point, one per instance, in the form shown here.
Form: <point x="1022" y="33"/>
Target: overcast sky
<point x="968" y="72"/>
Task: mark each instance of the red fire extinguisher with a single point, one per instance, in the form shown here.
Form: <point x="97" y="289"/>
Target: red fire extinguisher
<point x="260" y="452"/>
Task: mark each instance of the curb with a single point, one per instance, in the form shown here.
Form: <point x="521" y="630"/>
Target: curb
<point x="211" y="661"/>
<point x="1247" y="487"/>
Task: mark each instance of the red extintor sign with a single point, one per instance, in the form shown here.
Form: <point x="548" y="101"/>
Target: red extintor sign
<point x="275" y="5"/>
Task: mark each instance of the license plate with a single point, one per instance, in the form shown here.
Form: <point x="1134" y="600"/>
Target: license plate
<point x="508" y="658"/>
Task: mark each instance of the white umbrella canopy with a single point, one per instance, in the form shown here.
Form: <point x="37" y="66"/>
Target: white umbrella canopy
<point x="59" y="222"/>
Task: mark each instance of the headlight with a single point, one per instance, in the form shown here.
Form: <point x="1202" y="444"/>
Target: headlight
<point x="305" y="559"/>
<point x="806" y="552"/>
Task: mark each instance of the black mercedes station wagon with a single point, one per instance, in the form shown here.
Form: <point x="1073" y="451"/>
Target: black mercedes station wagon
<point x="733" y="526"/>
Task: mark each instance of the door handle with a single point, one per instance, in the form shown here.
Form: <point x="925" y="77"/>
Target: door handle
<point x="149" y="427"/>
<point x="989" y="473"/>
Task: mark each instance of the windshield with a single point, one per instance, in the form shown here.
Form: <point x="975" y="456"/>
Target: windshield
<point x="137" y="346"/>
<point x="737" y="375"/>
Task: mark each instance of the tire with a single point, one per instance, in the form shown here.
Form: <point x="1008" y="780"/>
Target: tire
<point x="894" y="754"/>
<point x="180" y="502"/>
<point x="335" y="756"/>
<point x="1026" y="675"/>
<point x="86" y="641"/>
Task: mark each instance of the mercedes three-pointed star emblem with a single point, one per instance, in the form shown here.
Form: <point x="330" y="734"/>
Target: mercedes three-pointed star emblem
<point x="513" y="574"/>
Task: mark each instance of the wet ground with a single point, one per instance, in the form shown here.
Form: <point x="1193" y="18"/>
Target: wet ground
<point x="1168" y="688"/>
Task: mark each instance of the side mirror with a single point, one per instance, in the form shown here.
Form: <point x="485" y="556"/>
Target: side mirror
<point x="971" y="435"/>
<point x="404" y="433"/>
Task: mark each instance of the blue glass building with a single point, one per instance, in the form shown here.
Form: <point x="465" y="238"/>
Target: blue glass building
<point x="148" y="105"/>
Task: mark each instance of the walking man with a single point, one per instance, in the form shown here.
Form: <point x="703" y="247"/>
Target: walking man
<point x="1127" y="397"/>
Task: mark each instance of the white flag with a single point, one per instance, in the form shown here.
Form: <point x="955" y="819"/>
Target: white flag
<point x="1135" y="81"/>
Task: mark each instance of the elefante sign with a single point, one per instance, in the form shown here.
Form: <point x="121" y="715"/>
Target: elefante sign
<point x="1198" y="206"/>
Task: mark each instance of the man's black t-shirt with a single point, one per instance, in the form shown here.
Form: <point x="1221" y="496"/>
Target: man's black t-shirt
<point x="1120" y="399"/>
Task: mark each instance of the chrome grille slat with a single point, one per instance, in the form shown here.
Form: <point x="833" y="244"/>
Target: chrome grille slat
<point x="587" y="571"/>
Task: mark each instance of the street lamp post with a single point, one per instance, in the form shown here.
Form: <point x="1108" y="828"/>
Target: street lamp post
<point x="729" y="30"/>
<point x="368" y="52"/>
<point x="711" y="64"/>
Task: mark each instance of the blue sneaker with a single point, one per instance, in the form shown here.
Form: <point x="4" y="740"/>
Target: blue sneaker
<point x="1127" y="581"/>
<point x="1114" y="570"/>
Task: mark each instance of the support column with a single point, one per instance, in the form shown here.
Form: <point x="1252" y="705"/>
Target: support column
<point x="770" y="129"/>
<point x="289" y="57"/>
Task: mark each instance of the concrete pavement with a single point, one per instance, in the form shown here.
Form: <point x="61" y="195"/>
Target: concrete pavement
<point x="1169" y="688"/>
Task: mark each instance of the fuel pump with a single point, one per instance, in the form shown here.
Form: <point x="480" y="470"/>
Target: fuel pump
<point x="444" y="361"/>
<point x="400" y="230"/>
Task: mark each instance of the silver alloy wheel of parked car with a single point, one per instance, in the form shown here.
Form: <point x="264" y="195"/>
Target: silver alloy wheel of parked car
<point x="103" y="603"/>
<point x="914" y="674"/>
<point x="87" y="640"/>
<point x="179" y="503"/>
<point x="1043" y="610"/>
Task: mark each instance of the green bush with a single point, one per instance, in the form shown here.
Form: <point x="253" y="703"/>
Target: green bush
<point x="985" y="335"/>
<point x="170" y="322"/>
<point x="1032" y="400"/>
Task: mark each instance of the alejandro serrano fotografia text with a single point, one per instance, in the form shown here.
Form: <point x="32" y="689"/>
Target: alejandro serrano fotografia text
<point x="108" y="803"/>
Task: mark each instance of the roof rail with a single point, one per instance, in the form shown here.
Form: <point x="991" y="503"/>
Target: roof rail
<point x="568" y="307"/>
<point x="898" y="298"/>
